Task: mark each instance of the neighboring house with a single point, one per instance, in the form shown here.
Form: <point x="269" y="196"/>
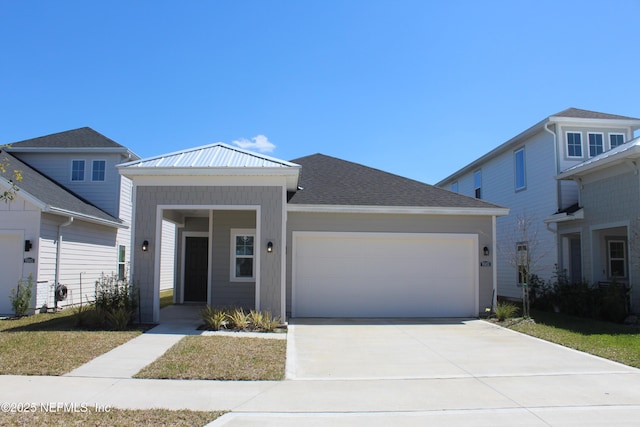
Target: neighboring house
<point x="70" y="220"/>
<point x="316" y="237"/>
<point x="520" y="174"/>
<point x="603" y="235"/>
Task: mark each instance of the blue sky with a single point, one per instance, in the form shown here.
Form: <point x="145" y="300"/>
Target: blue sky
<point x="417" y="88"/>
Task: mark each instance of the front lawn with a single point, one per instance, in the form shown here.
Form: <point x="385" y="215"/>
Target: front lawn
<point x="109" y="417"/>
<point x="220" y="358"/>
<point x="49" y="344"/>
<point x="617" y="342"/>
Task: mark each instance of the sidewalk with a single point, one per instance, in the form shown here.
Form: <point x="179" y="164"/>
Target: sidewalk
<point x="129" y="358"/>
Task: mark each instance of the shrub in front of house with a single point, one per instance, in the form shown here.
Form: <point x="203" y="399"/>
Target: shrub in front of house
<point x="114" y="307"/>
<point x="21" y="296"/>
<point x="505" y="310"/>
<point x="236" y="319"/>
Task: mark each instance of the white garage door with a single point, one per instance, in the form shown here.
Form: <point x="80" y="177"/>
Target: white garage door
<point x="11" y="251"/>
<point x="384" y="275"/>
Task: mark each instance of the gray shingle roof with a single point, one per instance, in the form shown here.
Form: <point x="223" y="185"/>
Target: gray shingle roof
<point x="77" y="138"/>
<point x="327" y="180"/>
<point x="586" y="114"/>
<point x="52" y="195"/>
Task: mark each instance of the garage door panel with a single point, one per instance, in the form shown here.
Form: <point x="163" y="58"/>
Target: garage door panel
<point x="393" y="275"/>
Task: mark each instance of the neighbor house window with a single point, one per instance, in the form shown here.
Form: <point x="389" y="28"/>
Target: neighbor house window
<point x="477" y="184"/>
<point x="574" y="144"/>
<point x="122" y="266"/>
<point x="77" y="170"/>
<point x="617" y="258"/>
<point x="98" y="169"/>
<point x="454" y="187"/>
<point x="521" y="181"/>
<point x="243" y="255"/>
<point x="596" y="144"/>
<point x="616" y="139"/>
<point x="522" y="261"/>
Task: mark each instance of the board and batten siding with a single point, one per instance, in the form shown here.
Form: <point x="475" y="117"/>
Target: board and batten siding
<point x="396" y="223"/>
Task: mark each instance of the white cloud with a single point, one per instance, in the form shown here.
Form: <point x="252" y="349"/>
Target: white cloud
<point x="258" y="143"/>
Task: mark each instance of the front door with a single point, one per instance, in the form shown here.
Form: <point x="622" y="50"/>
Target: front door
<point x="196" y="268"/>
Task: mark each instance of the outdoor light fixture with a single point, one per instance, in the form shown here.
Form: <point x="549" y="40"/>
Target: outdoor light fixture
<point x="145" y="246"/>
<point x="486" y="251"/>
<point x="27" y="245"/>
<point x="269" y="247"/>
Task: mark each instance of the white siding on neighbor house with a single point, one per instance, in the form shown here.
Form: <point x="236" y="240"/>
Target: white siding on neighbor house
<point x="57" y="166"/>
<point x="537" y="201"/>
<point x="167" y="257"/>
<point x="88" y="251"/>
<point x="19" y="221"/>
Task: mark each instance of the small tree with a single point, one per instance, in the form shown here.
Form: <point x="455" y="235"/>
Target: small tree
<point x="21" y="296"/>
<point x="524" y="254"/>
<point x="15" y="176"/>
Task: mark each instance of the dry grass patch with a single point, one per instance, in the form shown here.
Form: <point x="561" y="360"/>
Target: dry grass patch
<point x="48" y="344"/>
<point x="221" y="358"/>
<point x="115" y="417"/>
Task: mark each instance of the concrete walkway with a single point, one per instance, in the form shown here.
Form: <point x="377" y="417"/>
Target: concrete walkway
<point x="472" y="373"/>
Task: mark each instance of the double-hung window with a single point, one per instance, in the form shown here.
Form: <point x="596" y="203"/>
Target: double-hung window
<point x="77" y="170"/>
<point x="98" y="170"/>
<point x="616" y="139"/>
<point x="243" y="255"/>
<point x="574" y="144"/>
<point x="477" y="184"/>
<point x="596" y="144"/>
<point x="520" y="172"/>
<point x="122" y="266"/>
<point x="617" y="258"/>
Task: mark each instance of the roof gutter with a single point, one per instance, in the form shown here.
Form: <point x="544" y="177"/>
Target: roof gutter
<point x="556" y="163"/>
<point x="418" y="210"/>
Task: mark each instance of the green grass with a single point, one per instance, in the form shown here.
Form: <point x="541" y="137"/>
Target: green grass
<point x="220" y="358"/>
<point x="166" y="298"/>
<point x="49" y="344"/>
<point x="620" y="343"/>
<point x="114" y="417"/>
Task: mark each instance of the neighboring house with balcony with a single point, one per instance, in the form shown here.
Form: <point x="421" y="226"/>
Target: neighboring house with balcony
<point x="70" y="220"/>
<point x="521" y="174"/>
<point x="603" y="234"/>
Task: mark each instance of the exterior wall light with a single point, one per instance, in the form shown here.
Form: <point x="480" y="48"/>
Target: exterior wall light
<point x="485" y="250"/>
<point x="27" y="245"/>
<point x="269" y="247"/>
<point x="145" y="246"/>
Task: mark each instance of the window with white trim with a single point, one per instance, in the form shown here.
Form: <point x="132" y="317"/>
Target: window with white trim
<point x="574" y="144"/>
<point x="98" y="170"/>
<point x="616" y="139"/>
<point x="477" y="184"/>
<point x="617" y="255"/>
<point x="596" y="144"/>
<point x="77" y="170"/>
<point x="243" y="255"/>
<point x="520" y="172"/>
<point x="122" y="266"/>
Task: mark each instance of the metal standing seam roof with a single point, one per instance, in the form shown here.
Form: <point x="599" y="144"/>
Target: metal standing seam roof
<point x="622" y="151"/>
<point x="217" y="155"/>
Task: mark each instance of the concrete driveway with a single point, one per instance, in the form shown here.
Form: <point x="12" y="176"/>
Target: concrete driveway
<point x="346" y="349"/>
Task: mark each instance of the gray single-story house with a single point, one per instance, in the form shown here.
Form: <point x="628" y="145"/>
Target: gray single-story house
<point x="315" y="237"/>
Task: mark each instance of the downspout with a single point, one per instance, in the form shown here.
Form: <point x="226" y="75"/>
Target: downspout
<point x="58" y="250"/>
<point x="556" y="162"/>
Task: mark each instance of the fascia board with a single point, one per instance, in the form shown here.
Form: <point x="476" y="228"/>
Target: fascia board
<point x="608" y="123"/>
<point x="23" y="194"/>
<point x="398" y="210"/>
<point x="83" y="217"/>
